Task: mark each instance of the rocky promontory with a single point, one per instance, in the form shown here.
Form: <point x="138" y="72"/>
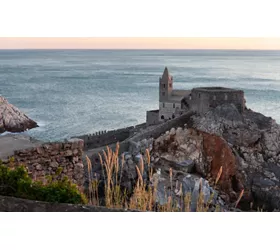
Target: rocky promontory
<point x="245" y="145"/>
<point x="12" y="119"/>
<point x="254" y="142"/>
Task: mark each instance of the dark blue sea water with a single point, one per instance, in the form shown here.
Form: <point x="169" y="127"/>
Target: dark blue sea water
<point x="73" y="92"/>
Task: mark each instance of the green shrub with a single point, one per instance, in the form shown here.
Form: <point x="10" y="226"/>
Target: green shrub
<point x="15" y="181"/>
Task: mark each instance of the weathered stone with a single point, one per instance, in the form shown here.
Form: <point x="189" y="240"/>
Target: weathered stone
<point x="39" y="167"/>
<point x="12" y="119"/>
<point x="54" y="165"/>
<point x="75" y="159"/>
<point x="172" y="131"/>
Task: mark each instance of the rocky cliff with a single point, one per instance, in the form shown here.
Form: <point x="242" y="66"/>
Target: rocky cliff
<point x="12" y="119"/>
<point x="254" y="142"/>
<point x="246" y="146"/>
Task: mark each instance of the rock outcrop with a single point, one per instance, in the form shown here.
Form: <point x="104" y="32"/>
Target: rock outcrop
<point x="12" y="119"/>
<point x="254" y="140"/>
<point x="246" y="146"/>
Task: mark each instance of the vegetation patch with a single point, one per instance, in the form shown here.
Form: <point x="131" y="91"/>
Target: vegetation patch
<point x="15" y="181"/>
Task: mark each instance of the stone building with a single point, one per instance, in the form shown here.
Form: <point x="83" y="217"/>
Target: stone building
<point x="173" y="102"/>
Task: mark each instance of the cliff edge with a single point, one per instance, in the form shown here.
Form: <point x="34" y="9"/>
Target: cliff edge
<point x="12" y="119"/>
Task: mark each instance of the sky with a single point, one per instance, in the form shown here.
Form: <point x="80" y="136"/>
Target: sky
<point x="140" y="24"/>
<point x="140" y="43"/>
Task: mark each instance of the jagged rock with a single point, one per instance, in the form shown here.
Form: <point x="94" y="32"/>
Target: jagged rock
<point x="184" y="166"/>
<point x="254" y="140"/>
<point x="191" y="185"/>
<point x="226" y="121"/>
<point x="12" y="119"/>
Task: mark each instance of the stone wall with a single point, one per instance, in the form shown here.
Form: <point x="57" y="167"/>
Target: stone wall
<point x="12" y="204"/>
<point x="202" y="99"/>
<point x="152" y="117"/>
<point x="103" y="138"/>
<point x="47" y="158"/>
<point x="156" y="131"/>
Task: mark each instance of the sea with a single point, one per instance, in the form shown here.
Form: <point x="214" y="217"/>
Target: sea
<point x="75" y="92"/>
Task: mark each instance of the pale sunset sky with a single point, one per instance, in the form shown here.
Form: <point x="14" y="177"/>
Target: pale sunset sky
<point x="141" y="43"/>
<point x="140" y="24"/>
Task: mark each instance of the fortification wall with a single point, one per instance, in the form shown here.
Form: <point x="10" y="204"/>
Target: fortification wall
<point x="103" y="138"/>
<point x="202" y="99"/>
<point x="156" y="131"/>
<point x="47" y="158"/>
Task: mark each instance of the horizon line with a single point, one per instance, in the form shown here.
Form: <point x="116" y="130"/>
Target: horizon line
<point x="139" y="49"/>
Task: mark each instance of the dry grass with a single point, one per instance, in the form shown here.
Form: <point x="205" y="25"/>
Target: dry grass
<point x="144" y="195"/>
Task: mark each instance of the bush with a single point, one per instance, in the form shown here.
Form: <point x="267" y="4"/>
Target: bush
<point x="15" y="181"/>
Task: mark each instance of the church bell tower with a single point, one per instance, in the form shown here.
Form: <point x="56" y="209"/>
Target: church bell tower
<point x="165" y="86"/>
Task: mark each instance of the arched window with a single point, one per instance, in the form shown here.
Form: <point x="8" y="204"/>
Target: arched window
<point x="162" y="117"/>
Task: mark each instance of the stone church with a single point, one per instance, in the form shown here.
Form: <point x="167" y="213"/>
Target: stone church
<point x="174" y="102"/>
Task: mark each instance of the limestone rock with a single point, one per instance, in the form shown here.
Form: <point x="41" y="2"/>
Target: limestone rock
<point x="12" y="119"/>
<point x="254" y="140"/>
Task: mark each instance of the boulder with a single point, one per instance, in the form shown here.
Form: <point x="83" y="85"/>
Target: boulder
<point x="191" y="185"/>
<point x="12" y="119"/>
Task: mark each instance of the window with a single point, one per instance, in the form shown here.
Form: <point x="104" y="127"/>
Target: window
<point x="163" y="93"/>
<point x="163" y="104"/>
<point x="164" y="86"/>
<point x="170" y="85"/>
<point x="214" y="98"/>
<point x="198" y="95"/>
<point x="173" y="116"/>
<point x="162" y="117"/>
<point x="226" y="97"/>
<point x="174" y="105"/>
